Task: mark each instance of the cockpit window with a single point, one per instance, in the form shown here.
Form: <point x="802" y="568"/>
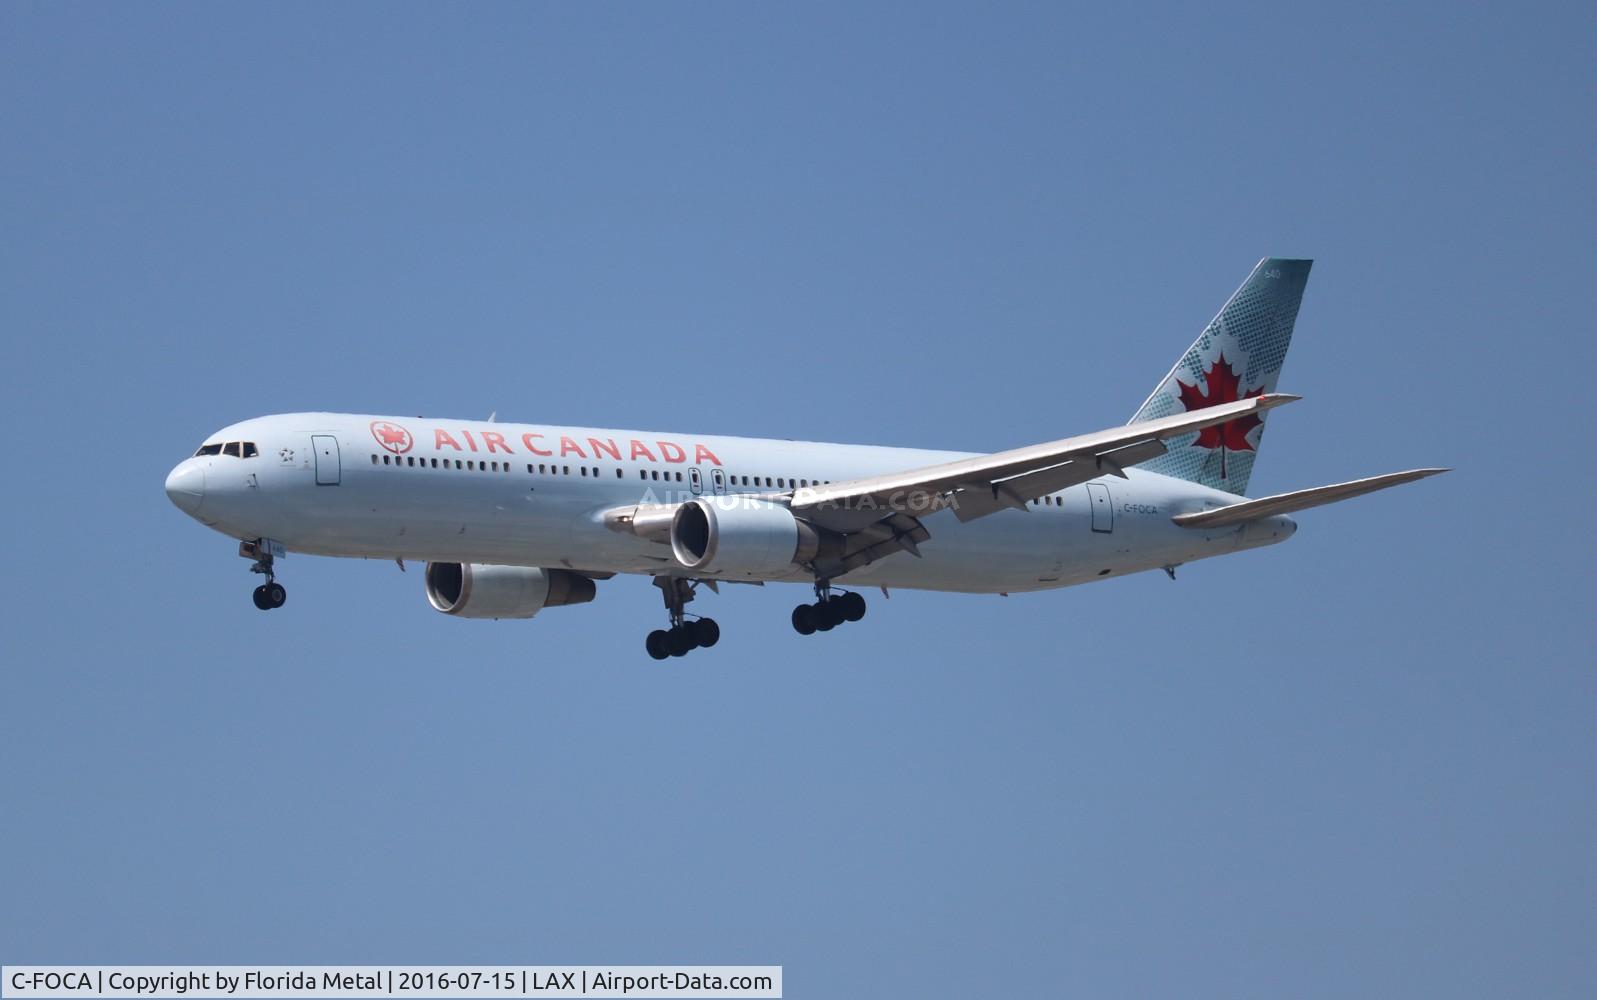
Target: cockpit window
<point x="235" y="449"/>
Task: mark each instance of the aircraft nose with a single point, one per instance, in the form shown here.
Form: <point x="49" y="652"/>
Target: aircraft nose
<point x="185" y="487"/>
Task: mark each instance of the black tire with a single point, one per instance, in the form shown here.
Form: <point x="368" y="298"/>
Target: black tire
<point x="826" y="616"/>
<point x="679" y="641"/>
<point x="656" y="644"/>
<point x="261" y="599"/>
<point x="804" y="620"/>
<point x="276" y="595"/>
<point x="706" y="632"/>
<point x="853" y="606"/>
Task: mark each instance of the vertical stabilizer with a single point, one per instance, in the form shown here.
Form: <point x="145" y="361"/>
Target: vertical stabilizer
<point x="1239" y="354"/>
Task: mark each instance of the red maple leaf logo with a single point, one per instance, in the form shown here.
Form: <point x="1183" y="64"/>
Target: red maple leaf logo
<point x="1224" y="387"/>
<point x="392" y="437"/>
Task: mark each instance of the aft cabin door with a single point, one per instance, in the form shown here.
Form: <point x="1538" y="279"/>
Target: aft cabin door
<point x="326" y="448"/>
<point x="1103" y="509"/>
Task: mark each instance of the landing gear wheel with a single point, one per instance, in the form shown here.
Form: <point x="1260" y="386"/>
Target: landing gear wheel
<point x="826" y="616"/>
<point x="706" y="632"/>
<point x="657" y="644"/>
<point x="852" y="606"/>
<point x="270" y="594"/>
<point x="684" y="635"/>
<point x="804" y="620"/>
<point x="679" y="641"/>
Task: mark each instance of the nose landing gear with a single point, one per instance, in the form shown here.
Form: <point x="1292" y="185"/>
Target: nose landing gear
<point x="683" y="636"/>
<point x="270" y="594"/>
<point x="828" y="611"/>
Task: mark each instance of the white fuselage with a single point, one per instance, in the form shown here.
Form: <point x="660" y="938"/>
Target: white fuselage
<point x="532" y="495"/>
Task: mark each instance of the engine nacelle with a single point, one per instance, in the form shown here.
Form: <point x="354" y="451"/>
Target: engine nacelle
<point x="741" y="536"/>
<point x="473" y="590"/>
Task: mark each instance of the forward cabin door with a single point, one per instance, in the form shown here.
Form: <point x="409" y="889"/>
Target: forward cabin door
<point x="1103" y="509"/>
<point x="326" y="448"/>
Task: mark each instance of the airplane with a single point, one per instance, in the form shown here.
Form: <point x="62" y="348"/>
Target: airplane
<point x="511" y="519"/>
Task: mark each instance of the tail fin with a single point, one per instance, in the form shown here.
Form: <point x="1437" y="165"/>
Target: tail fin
<point x="1239" y="354"/>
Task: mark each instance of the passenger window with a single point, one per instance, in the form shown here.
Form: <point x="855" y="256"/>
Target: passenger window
<point x="385" y="459"/>
<point x="410" y="460"/>
<point x="618" y="473"/>
<point x="374" y="459"/>
<point x="435" y="463"/>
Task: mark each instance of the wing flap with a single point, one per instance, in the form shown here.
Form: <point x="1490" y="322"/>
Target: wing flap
<point x="971" y="501"/>
<point x="1287" y="503"/>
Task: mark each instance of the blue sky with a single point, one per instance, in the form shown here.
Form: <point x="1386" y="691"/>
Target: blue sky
<point x="1361" y="763"/>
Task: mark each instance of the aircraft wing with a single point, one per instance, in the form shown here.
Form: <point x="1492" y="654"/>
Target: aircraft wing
<point x="1286" y="503"/>
<point x="976" y="487"/>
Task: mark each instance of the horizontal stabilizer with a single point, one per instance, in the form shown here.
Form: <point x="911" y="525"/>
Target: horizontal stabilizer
<point x="1286" y="503"/>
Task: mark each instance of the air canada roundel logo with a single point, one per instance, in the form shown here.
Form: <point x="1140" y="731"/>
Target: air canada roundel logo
<point x="392" y="437"/>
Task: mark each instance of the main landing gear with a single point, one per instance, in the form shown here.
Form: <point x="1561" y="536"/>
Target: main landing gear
<point x="270" y="594"/>
<point x="829" y="610"/>
<point x="683" y="636"/>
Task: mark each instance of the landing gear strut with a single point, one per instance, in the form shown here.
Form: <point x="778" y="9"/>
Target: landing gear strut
<point x="684" y="635"/>
<point x="270" y="594"/>
<point x="829" y="610"/>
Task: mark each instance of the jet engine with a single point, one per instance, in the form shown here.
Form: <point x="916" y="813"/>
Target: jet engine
<point x="742" y="536"/>
<point x="473" y="590"/>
